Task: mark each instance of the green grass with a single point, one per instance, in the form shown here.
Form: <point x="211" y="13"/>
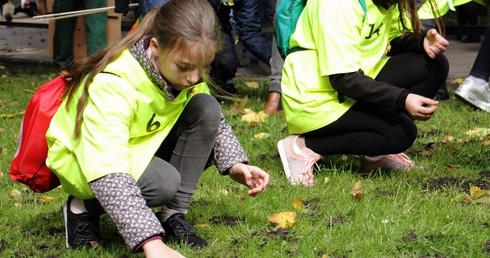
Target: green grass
<point x="416" y="214"/>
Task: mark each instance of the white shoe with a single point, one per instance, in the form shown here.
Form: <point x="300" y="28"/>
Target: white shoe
<point x="475" y="95"/>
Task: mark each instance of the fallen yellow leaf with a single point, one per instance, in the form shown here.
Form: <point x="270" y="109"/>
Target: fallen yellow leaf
<point x="357" y="191"/>
<point x="457" y="81"/>
<point x="479" y="195"/>
<point x="284" y="219"/>
<point x="476" y="192"/>
<point x="326" y="179"/>
<point x="478" y="132"/>
<point x="15" y="193"/>
<point x="260" y="136"/>
<point x="447" y="138"/>
<point x="298" y="204"/>
<point x="11" y="115"/>
<point x="254" y="118"/>
<point x="252" y="85"/>
<point x="47" y="198"/>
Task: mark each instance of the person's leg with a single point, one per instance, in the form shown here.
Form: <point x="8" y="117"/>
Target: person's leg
<point x="224" y="66"/>
<point x="364" y="130"/>
<point x="188" y="146"/>
<point x="417" y="73"/>
<point x="274" y="97"/>
<point x="472" y="10"/>
<point x="96" y="26"/>
<point x="474" y="89"/>
<point x="481" y="65"/>
<point x="367" y="130"/>
<point x="63" y="34"/>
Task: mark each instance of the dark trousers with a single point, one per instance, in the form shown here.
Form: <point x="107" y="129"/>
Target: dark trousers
<point x="481" y="65"/>
<point x="65" y="28"/>
<point x="366" y="129"/>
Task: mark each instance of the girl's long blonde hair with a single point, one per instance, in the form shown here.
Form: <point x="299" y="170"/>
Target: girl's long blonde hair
<point x="176" y="25"/>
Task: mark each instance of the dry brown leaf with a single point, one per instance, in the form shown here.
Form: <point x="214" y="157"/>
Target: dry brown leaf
<point x="284" y="219"/>
<point x="449" y="168"/>
<point x="447" y="138"/>
<point x="357" y="191"/>
<point x="298" y="204"/>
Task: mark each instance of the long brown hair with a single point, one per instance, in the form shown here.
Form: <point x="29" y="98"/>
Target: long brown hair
<point x="176" y="25"/>
<point x="409" y="7"/>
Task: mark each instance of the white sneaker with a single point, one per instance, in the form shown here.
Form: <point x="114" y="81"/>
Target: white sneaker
<point x="475" y="95"/>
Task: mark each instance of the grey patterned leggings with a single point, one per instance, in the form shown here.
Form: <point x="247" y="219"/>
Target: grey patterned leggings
<point x="171" y="177"/>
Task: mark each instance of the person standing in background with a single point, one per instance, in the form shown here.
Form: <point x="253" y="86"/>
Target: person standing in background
<point x="65" y="28"/>
<point x="474" y="90"/>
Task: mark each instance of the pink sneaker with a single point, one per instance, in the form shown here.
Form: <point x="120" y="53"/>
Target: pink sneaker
<point x="389" y="162"/>
<point x="298" y="163"/>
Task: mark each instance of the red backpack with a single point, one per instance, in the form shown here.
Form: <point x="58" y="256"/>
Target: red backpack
<point x="29" y="163"/>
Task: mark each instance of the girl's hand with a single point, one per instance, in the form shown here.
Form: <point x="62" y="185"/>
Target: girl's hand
<point x="434" y="43"/>
<point x="420" y="108"/>
<point x="253" y="177"/>
<point x="157" y="249"/>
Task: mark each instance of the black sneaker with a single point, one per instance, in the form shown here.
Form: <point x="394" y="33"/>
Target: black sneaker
<point x="82" y="230"/>
<point x="177" y="229"/>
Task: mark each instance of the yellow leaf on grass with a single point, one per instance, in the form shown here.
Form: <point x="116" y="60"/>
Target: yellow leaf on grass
<point x="476" y="192"/>
<point x="478" y="132"/>
<point x="447" y="138"/>
<point x="283" y="219"/>
<point x="326" y="179"/>
<point x="47" y="198"/>
<point x="15" y="193"/>
<point x="252" y="85"/>
<point x="260" y="136"/>
<point x="254" y="118"/>
<point x="479" y="195"/>
<point x="457" y="81"/>
<point x="11" y="115"/>
<point x="358" y="190"/>
<point x="298" y="204"/>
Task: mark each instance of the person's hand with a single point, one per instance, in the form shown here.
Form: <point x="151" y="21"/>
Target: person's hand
<point x="434" y="43"/>
<point x="419" y="107"/>
<point x="157" y="249"/>
<point x="253" y="177"/>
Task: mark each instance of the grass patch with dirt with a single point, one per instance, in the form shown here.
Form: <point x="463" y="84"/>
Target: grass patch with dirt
<point x="428" y="212"/>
